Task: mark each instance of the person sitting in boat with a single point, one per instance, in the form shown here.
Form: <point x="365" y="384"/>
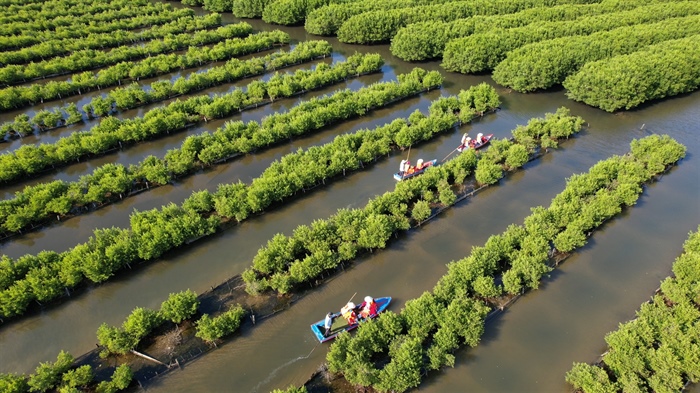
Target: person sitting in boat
<point x="368" y="308"/>
<point x="419" y="164"/>
<point x="480" y="138"/>
<point x="328" y="323"/>
<point x="468" y="142"/>
<point x="348" y="312"/>
<point x="464" y="139"/>
<point x="409" y="169"/>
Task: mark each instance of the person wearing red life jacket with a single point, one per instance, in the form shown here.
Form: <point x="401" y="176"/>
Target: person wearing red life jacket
<point x="348" y="312"/>
<point x="368" y="308"/>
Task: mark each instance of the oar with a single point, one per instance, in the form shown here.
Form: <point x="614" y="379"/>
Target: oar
<point x="404" y="172"/>
<point x="353" y="296"/>
<point x="449" y="154"/>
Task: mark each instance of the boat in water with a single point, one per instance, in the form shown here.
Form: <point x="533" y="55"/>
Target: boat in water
<point x="477" y="145"/>
<point x="340" y="325"/>
<point x="398" y="176"/>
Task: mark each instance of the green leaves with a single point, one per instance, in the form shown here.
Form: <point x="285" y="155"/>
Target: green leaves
<point x="659" y="349"/>
<point x="88" y="59"/>
<point x="421" y="211"/>
<point x="545" y="64"/>
<point x="47" y="375"/>
<point x="179" y="306"/>
<point x="590" y="379"/>
<point x="490" y="45"/>
<point x="438" y="322"/>
<point x="121" y="379"/>
<point x="309" y="252"/>
<point x="211" y="329"/>
<point x="624" y="82"/>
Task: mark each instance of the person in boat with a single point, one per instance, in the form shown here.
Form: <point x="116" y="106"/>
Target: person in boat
<point x="468" y="142"/>
<point x="368" y="308"/>
<point x="419" y="164"/>
<point x="408" y="168"/>
<point x="464" y="139"/>
<point x="403" y="166"/>
<point x="480" y="138"/>
<point x="348" y="312"/>
<point x="328" y="323"/>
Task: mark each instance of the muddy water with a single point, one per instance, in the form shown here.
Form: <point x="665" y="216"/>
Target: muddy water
<point x="529" y="348"/>
<point x="132" y="154"/>
<point x="244" y="169"/>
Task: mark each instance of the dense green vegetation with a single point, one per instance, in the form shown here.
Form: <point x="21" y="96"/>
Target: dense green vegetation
<point x="659" y="350"/>
<point x="88" y="59"/>
<point x="60" y="47"/>
<point x="61" y="376"/>
<point x="395" y="351"/>
<point x="110" y="182"/>
<point x="427" y="40"/>
<point x="294" y="12"/>
<point x="112" y="132"/>
<point x="288" y="261"/>
<point x="134" y="95"/>
<point x="663" y="70"/>
<point x="20" y="96"/>
<point x="328" y="19"/>
<point x="94" y="9"/>
<point x="249" y="8"/>
<point x="64" y="377"/>
<point x="211" y="329"/>
<point x="380" y="26"/>
<point x="558" y="58"/>
<point x="133" y="18"/>
<point x="142" y="321"/>
<point x="47" y="275"/>
<point x="484" y="51"/>
<point x="121" y="11"/>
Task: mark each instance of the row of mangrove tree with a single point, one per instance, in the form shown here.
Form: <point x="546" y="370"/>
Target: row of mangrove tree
<point x="395" y="351"/>
<point x="112" y="133"/>
<point x="135" y="95"/>
<point x="48" y="275"/>
<point x="660" y="349"/>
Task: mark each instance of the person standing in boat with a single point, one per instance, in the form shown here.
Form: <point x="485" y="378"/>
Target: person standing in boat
<point x="403" y="168"/>
<point x="328" y="323"/>
<point x="348" y="312"/>
<point x="465" y="140"/>
<point x="368" y="308"/>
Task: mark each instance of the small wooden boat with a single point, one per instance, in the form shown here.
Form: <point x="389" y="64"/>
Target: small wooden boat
<point x="403" y="175"/>
<point x="340" y="325"/>
<point x="478" y="145"/>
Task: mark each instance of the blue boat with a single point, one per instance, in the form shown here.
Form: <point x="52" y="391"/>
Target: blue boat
<point x="340" y="325"/>
<point x="398" y="176"/>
